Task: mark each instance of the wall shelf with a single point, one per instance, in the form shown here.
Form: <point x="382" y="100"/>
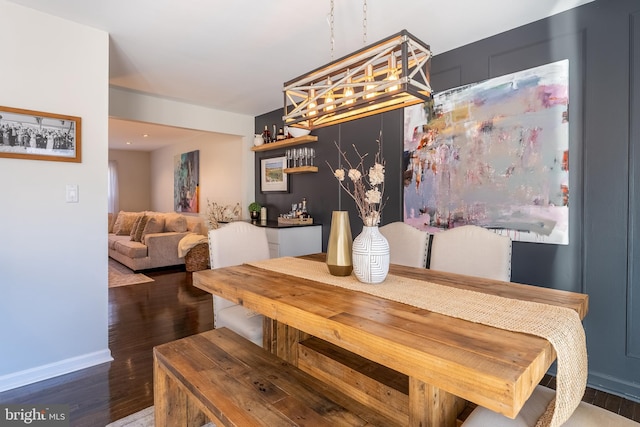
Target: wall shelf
<point x="301" y="169"/>
<point x="290" y="142"/>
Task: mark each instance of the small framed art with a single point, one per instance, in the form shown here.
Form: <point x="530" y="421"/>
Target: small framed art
<point x="272" y="176"/>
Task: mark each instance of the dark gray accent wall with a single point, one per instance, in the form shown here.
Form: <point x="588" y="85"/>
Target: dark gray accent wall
<point x="602" y="42"/>
<point x="633" y="282"/>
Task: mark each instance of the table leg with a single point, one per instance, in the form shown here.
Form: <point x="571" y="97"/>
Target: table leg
<point x="431" y="406"/>
<point x="282" y="340"/>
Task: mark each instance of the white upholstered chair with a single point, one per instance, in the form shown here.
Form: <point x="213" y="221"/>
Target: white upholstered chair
<point x="473" y="251"/>
<point x="407" y="245"/>
<point x="234" y="244"/>
<point x="586" y="415"/>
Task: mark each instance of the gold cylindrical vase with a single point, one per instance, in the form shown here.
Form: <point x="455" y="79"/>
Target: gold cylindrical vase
<point x="339" y="259"/>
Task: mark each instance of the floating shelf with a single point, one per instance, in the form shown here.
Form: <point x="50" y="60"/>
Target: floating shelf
<point x="290" y="142"/>
<point x="301" y="169"/>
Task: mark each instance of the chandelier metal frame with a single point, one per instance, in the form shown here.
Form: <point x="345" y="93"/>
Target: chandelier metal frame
<point x="389" y="74"/>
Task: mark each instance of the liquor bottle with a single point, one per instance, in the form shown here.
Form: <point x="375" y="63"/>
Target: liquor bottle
<point x="280" y="136"/>
<point x="304" y="213"/>
<point x="274" y="134"/>
<point x="266" y="135"/>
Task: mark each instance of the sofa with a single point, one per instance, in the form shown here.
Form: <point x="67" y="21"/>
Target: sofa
<point x="145" y="240"/>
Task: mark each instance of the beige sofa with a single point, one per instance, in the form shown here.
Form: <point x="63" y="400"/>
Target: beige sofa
<point x="144" y="240"/>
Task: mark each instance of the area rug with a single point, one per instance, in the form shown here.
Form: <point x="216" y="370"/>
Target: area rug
<point x="144" y="418"/>
<point x="120" y="275"/>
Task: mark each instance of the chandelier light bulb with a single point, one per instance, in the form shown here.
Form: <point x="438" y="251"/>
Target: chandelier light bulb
<point x="369" y="78"/>
<point x="311" y="108"/>
<point x="348" y="91"/>
<point x="329" y="98"/>
<point x="392" y="73"/>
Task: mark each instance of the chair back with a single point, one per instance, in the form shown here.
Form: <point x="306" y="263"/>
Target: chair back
<point x="235" y="244"/>
<point x="473" y="251"/>
<point x="407" y="245"/>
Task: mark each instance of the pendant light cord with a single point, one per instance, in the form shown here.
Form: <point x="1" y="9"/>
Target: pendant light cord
<point x="332" y="40"/>
<point x="364" y="22"/>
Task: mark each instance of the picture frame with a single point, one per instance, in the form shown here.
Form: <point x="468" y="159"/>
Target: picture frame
<point x="36" y="135"/>
<point x="272" y="176"/>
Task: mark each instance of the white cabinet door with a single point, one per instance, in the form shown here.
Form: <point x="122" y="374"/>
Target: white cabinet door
<point x="294" y="241"/>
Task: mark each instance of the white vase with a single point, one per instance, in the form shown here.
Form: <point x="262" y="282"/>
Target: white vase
<point x="370" y="256"/>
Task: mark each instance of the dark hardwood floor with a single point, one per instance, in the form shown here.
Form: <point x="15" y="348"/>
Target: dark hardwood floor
<point x="145" y="315"/>
<point x="140" y="317"/>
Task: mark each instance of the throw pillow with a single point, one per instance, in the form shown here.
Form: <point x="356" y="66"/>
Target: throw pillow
<point x="137" y="236"/>
<point x="134" y="227"/>
<point x="154" y="225"/>
<point x="124" y="223"/>
<point x="175" y="222"/>
<point x="112" y="220"/>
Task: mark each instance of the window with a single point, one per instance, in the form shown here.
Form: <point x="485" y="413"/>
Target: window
<point x="112" y="187"/>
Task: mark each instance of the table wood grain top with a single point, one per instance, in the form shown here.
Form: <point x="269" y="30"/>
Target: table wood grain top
<point x="491" y="367"/>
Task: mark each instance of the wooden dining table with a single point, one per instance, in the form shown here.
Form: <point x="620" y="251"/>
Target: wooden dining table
<point x="448" y="360"/>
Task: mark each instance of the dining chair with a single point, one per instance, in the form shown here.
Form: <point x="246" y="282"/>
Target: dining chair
<point x="472" y="250"/>
<point x="234" y="244"/>
<point x="407" y="245"/>
<point x="585" y="415"/>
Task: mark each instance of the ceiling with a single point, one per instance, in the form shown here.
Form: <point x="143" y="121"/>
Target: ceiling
<point x="236" y="55"/>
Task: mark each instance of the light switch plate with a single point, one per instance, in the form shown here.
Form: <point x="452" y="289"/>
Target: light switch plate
<point x="72" y="193"/>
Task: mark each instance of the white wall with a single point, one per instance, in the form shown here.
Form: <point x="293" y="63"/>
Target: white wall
<point x="239" y="169"/>
<point x="220" y="171"/>
<point x="53" y="274"/>
<point x="134" y="179"/>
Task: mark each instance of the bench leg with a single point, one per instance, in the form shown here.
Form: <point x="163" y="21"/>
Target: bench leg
<point x="172" y="407"/>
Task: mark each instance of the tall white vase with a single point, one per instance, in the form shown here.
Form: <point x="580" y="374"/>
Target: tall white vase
<point x="370" y="256"/>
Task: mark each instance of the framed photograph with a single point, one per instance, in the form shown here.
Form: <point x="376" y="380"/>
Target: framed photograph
<point x="34" y="135"/>
<point x="272" y="176"/>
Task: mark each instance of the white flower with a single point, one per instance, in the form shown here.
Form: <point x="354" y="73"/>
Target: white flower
<point x="373" y="195"/>
<point x="367" y="184"/>
<point x="376" y="174"/>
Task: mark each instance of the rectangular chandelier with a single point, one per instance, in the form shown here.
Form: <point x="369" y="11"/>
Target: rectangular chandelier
<point x="392" y="73"/>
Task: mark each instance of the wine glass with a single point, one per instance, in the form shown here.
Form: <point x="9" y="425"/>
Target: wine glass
<point x="289" y="158"/>
<point x="296" y="156"/>
<point x="312" y="154"/>
<point x="305" y="150"/>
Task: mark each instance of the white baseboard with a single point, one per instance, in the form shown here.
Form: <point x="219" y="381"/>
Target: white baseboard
<point x="44" y="372"/>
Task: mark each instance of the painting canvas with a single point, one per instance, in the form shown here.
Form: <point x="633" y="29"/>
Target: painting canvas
<point x="493" y="154"/>
<point x="186" y="181"/>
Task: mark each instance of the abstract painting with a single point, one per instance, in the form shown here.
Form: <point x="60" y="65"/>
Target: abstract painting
<point x="186" y="180"/>
<point x="494" y="154"/>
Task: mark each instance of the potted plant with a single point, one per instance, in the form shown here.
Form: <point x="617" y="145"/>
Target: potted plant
<point x="254" y="210"/>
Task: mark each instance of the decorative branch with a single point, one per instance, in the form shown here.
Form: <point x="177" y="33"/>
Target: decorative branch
<point x="367" y="187"/>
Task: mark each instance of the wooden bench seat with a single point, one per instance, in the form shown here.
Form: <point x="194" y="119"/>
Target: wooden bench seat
<point x="221" y="377"/>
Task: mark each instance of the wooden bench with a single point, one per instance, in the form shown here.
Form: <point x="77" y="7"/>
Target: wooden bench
<point x="219" y="376"/>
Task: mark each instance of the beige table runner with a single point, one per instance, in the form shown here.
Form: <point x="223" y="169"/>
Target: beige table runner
<point x="559" y="325"/>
